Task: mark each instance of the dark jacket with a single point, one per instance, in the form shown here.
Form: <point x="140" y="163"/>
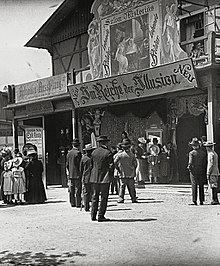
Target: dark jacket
<point x="102" y="161"/>
<point x="73" y="163"/>
<point x="197" y="163"/>
<point x="85" y="168"/>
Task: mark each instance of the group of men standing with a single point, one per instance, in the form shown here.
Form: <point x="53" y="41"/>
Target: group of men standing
<point x="92" y="173"/>
<point x="203" y="168"/>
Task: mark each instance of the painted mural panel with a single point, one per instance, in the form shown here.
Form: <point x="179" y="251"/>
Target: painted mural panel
<point x="131" y="40"/>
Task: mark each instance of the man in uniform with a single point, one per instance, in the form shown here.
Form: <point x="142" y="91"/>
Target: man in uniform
<point x="73" y="173"/>
<point x="102" y="161"/>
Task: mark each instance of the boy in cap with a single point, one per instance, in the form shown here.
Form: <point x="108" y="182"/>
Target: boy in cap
<point x="73" y="172"/>
<point x="85" y="169"/>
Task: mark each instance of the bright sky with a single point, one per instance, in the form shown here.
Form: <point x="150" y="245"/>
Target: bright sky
<point x="19" y="21"/>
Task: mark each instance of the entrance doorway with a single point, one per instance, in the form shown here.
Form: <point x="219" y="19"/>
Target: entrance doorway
<point x="188" y="127"/>
<point x="58" y="136"/>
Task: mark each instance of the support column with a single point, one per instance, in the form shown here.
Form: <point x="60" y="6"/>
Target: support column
<point x="74" y="124"/>
<point x="216" y="109"/>
<point x="15" y="133"/>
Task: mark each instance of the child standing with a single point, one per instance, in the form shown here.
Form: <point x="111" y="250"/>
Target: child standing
<point x="7" y="181"/>
<point x="19" y="187"/>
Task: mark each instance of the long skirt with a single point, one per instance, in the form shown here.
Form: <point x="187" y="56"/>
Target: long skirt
<point x="141" y="170"/>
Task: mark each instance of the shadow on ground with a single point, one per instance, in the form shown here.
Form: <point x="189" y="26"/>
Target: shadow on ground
<point x="129" y="220"/>
<point x="38" y="258"/>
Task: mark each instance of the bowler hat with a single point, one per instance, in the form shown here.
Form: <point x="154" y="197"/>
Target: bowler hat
<point x="102" y="138"/>
<point x="194" y="142"/>
<point x="208" y="143"/>
<point x="88" y="147"/>
<point x="75" y="141"/>
<point x="126" y="143"/>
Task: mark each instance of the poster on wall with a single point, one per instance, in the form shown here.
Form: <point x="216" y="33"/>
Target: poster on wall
<point x="35" y="137"/>
<point x="131" y="40"/>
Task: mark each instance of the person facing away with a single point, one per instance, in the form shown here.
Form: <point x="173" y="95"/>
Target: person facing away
<point x="197" y="168"/>
<point x="126" y="164"/>
<point x="212" y="170"/>
<point x="85" y="169"/>
<point x="35" y="187"/>
<point x="102" y="161"/>
<point x="114" y="180"/>
<point x="73" y="174"/>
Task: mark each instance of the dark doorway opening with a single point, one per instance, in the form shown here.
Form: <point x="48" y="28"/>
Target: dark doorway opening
<point x="189" y="126"/>
<point x="58" y="136"/>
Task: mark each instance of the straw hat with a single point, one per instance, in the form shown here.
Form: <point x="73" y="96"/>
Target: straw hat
<point x="142" y="140"/>
<point x="31" y="151"/>
<point x="208" y="144"/>
<point x="7" y="165"/>
<point x="17" y="161"/>
<point x="88" y="147"/>
<point x="194" y="142"/>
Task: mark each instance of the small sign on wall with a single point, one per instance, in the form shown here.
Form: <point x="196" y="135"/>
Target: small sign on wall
<point x="35" y="137"/>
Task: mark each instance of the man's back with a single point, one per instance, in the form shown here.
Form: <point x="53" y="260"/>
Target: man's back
<point x="101" y="160"/>
<point x="127" y="163"/>
<point x="73" y="162"/>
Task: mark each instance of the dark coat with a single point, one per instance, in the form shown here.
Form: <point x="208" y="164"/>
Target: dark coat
<point x="102" y="161"/>
<point x="85" y="168"/>
<point x="73" y="163"/>
<point x="197" y="164"/>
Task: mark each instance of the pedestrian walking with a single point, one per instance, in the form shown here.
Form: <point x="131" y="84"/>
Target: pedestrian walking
<point x="102" y="161"/>
<point x="73" y="174"/>
<point x="85" y="169"/>
<point x="36" y="193"/>
<point x="212" y="170"/>
<point x="197" y="170"/>
<point x="126" y="164"/>
<point x="114" y="179"/>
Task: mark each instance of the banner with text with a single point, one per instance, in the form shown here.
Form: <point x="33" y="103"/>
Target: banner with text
<point x="42" y="88"/>
<point x="172" y="77"/>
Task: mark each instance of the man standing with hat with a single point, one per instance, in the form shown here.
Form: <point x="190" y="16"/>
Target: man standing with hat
<point x="126" y="164"/>
<point x="73" y="172"/>
<point x="85" y="169"/>
<point x="197" y="170"/>
<point x="102" y="161"/>
<point x="212" y="170"/>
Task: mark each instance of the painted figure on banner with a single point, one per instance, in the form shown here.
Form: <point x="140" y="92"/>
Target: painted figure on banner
<point x="121" y="57"/>
<point x="171" y="50"/>
<point x="94" y="49"/>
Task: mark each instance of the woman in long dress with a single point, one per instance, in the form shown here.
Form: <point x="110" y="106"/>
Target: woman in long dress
<point x="35" y="187"/>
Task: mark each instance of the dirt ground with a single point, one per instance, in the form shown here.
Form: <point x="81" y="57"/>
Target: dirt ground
<point x="162" y="229"/>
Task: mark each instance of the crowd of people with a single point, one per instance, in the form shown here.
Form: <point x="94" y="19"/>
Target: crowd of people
<point x="21" y="176"/>
<point x="101" y="170"/>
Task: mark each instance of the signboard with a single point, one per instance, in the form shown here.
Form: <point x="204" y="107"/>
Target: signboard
<point x="168" y="78"/>
<point x="35" y="137"/>
<point x="40" y="89"/>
